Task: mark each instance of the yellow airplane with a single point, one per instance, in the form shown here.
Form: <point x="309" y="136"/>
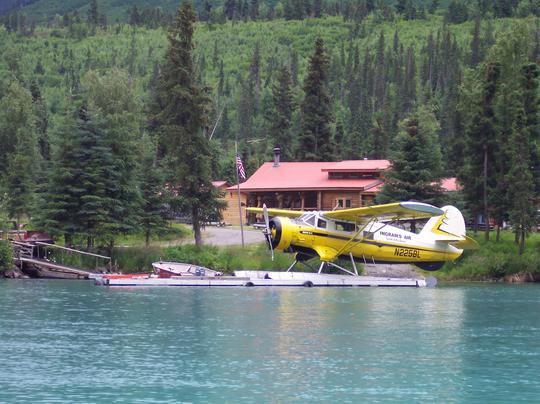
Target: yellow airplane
<point x="374" y="234"/>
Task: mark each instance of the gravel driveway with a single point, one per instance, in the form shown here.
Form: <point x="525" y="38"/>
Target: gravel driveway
<point x="231" y="236"/>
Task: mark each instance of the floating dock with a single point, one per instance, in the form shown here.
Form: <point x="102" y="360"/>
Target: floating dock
<point x="264" y="278"/>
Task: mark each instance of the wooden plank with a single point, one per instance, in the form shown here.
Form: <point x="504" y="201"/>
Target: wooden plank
<point x="52" y="265"/>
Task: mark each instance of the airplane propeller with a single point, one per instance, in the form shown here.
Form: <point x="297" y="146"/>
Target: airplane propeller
<point x="267" y="230"/>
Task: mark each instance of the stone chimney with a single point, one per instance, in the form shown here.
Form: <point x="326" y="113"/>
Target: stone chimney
<point x="277" y="154"/>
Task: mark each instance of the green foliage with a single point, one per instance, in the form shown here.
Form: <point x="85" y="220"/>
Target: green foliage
<point x="228" y="259"/>
<point x="316" y="137"/>
<point x="6" y="256"/>
<point x="416" y="163"/>
<point x="152" y="184"/>
<point x="373" y="83"/>
<point x="280" y="116"/>
<point x="494" y="260"/>
<point x="169" y="234"/>
<point x="181" y="121"/>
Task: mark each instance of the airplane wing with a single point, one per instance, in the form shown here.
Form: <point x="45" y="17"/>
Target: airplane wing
<point x="277" y="212"/>
<point x="390" y="211"/>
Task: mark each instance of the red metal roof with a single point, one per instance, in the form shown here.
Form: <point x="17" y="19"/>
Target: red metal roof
<point x="450" y="184"/>
<point x="357" y="166"/>
<point x="219" y="184"/>
<point x="306" y="176"/>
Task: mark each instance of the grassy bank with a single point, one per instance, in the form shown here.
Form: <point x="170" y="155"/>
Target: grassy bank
<point x="226" y="259"/>
<point x="494" y="260"/>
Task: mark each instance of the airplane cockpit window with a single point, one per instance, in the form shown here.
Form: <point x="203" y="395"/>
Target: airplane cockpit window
<point x="308" y="219"/>
<point x="345" y="226"/>
<point x="321" y="224"/>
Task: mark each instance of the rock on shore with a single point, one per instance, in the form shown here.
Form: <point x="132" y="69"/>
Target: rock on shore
<point x="13" y="273"/>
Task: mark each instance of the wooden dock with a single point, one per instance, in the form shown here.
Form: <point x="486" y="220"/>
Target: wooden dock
<point x="28" y="258"/>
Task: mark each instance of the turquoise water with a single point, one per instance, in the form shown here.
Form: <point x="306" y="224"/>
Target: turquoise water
<point x="71" y="341"/>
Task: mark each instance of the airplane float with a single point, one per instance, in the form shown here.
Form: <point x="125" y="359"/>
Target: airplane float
<point x="373" y="234"/>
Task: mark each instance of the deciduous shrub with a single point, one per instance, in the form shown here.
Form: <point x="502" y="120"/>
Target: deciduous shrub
<point x="6" y="256"/>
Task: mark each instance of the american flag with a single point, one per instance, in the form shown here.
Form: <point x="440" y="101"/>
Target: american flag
<point x="240" y="168"/>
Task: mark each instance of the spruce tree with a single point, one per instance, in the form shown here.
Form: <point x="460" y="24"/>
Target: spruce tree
<point x="416" y="163"/>
<point x="316" y="137"/>
<point x="19" y="181"/>
<point x="476" y="43"/>
<point x="523" y="159"/>
<point x="152" y="215"/>
<point x="61" y="202"/>
<point x="183" y="119"/>
<point x="96" y="174"/>
<point x="477" y="175"/>
<point x="280" y="120"/>
<point x="93" y="15"/>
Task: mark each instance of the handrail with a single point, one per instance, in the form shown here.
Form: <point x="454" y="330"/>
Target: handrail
<point x="72" y="249"/>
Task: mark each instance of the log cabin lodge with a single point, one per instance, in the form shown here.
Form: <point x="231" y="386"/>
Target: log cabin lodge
<point x="308" y="186"/>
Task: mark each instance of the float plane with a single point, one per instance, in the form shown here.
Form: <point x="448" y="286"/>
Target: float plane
<point x="372" y="234"/>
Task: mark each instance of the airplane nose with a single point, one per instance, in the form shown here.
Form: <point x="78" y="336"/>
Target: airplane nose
<point x="275" y="232"/>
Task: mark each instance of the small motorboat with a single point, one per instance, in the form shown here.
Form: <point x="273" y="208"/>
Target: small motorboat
<point x="170" y="269"/>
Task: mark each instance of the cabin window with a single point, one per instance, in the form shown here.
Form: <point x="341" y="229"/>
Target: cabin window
<point x="340" y="203"/>
<point x="345" y="226"/>
<point x="321" y="224"/>
<point x="368" y="235"/>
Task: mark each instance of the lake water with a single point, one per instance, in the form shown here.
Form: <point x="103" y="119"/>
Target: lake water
<point x="71" y="341"/>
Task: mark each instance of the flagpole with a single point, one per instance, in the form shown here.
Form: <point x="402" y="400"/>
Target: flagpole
<point x="238" y="189"/>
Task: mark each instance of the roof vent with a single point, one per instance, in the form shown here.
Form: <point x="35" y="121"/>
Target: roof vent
<point x="277" y="154"/>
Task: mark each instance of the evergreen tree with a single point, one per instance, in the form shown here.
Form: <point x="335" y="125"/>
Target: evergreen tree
<point x="60" y="205"/>
<point x="152" y="215"/>
<point x="230" y="8"/>
<point x="254" y="77"/>
<point x="96" y="174"/>
<point x="93" y="14"/>
<point x="17" y="121"/>
<point x="183" y="120"/>
<point x="280" y="120"/>
<point x="522" y="184"/>
<point x="111" y="99"/>
<point x="245" y="111"/>
<point x="134" y="16"/>
<point x="416" y="163"/>
<point x="457" y="12"/>
<point x="477" y="175"/>
<point x="19" y="180"/>
<point x="475" y="43"/>
<point x="316" y="137"/>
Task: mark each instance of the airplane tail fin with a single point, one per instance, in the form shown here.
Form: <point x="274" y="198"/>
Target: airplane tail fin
<point x="449" y="227"/>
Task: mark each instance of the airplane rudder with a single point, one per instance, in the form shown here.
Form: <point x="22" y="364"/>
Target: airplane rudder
<point x="451" y="223"/>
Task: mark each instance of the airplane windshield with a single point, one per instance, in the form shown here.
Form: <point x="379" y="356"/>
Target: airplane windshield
<point x="308" y="219"/>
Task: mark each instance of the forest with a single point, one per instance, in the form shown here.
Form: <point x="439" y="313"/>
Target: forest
<point x="441" y="89"/>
